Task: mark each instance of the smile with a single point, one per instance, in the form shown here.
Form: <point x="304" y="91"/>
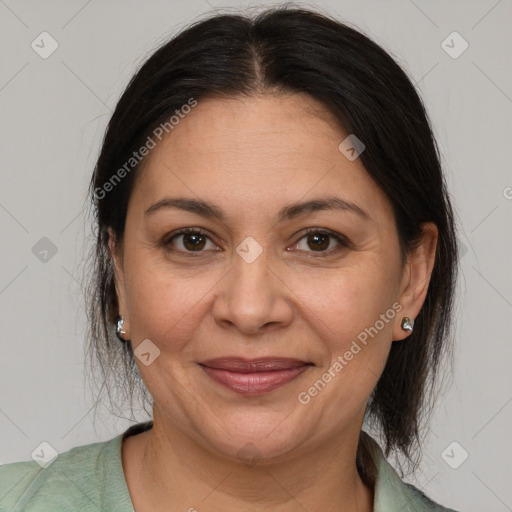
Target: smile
<point x="254" y="377"/>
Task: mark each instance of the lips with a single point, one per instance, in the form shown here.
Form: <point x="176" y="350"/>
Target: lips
<point x="238" y="364"/>
<point x="255" y="376"/>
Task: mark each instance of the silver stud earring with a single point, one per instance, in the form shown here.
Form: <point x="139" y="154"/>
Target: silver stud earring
<point x="407" y="324"/>
<point x="120" y="329"/>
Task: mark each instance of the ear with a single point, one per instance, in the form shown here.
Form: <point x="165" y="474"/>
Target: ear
<point x="117" y="260"/>
<point x="416" y="278"/>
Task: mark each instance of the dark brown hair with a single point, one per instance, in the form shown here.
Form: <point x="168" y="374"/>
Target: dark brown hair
<point x="291" y="50"/>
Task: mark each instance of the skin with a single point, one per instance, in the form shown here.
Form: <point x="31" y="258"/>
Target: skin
<point x="251" y="157"/>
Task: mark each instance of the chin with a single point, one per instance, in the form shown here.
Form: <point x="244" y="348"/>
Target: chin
<point x="254" y="436"/>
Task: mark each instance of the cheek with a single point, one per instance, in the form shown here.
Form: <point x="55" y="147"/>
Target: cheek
<point x="348" y="301"/>
<point x="355" y="338"/>
<point x="166" y="305"/>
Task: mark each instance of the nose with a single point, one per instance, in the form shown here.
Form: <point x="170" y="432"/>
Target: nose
<point x="253" y="298"/>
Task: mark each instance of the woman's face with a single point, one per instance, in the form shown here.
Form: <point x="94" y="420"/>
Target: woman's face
<point x="257" y="284"/>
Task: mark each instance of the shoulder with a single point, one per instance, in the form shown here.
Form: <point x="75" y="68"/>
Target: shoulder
<point x="391" y="493"/>
<point x="75" y="480"/>
<point x="419" y="501"/>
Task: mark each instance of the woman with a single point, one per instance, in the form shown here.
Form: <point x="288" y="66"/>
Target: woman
<point x="276" y="252"/>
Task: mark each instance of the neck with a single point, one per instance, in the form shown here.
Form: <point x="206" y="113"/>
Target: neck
<point x="166" y="468"/>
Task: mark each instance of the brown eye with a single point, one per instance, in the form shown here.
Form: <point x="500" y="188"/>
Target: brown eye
<point x="316" y="241"/>
<point x="188" y="240"/>
<point x="193" y="241"/>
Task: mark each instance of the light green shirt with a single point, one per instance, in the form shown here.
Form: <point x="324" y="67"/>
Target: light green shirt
<point x="90" y="478"/>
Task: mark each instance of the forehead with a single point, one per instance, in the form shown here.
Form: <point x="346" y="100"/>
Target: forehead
<point x="235" y="131"/>
<point x="255" y="153"/>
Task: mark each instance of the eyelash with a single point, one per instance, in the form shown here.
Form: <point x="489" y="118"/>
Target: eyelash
<point x="198" y="231"/>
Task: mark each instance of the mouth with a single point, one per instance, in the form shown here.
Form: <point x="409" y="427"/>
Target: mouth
<point x="254" y="376"/>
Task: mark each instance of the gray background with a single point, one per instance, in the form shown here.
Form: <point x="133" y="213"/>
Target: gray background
<point x="53" y="115"/>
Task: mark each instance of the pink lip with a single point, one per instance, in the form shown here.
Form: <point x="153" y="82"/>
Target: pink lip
<point x="254" y="377"/>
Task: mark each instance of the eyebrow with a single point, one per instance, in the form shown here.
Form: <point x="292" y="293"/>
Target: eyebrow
<point x="210" y="210"/>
